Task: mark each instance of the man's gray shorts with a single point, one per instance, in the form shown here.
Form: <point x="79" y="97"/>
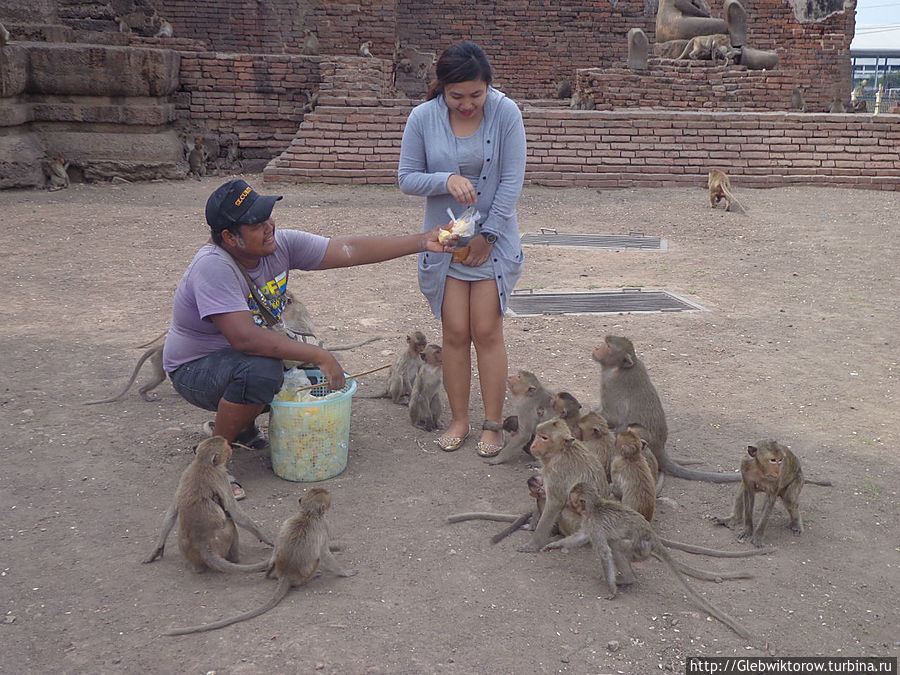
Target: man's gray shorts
<point x="229" y="374"/>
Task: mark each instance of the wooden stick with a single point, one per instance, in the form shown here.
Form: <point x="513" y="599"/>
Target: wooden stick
<point x="349" y="377"/>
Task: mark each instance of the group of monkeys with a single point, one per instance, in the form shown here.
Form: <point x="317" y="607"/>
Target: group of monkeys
<point x="601" y="470"/>
<point x="600" y="474"/>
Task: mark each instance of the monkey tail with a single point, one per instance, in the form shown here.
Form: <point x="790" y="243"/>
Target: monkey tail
<point x="823" y="483"/>
<point x="659" y="483"/>
<point x="519" y="522"/>
<point x="147" y="344"/>
<point x="734" y="199"/>
<point x="218" y="563"/>
<point x="134" y="373"/>
<point x="706" y="575"/>
<point x="499" y="517"/>
<point x="696" y="597"/>
<point x="283" y="587"/>
<point x="700" y="550"/>
<point x="343" y="348"/>
<point x="674" y="469"/>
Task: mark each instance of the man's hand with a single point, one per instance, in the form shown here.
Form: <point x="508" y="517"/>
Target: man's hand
<point x="433" y="244"/>
<point x="331" y="369"/>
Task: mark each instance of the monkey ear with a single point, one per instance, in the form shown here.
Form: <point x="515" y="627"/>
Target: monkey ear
<point x="627" y="361"/>
<point x="752" y="450"/>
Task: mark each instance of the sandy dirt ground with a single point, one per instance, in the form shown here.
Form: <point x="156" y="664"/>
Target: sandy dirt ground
<point x="799" y="343"/>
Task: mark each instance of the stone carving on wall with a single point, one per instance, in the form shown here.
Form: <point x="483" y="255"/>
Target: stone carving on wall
<point x="680" y="21"/>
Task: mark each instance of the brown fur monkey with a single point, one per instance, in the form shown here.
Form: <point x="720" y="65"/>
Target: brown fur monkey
<point x="404" y="370"/>
<point x="641" y="433"/>
<point x="714" y="46"/>
<point x="630" y="477"/>
<point x="310" y="43"/>
<point x="775" y="471"/>
<point x="629" y="397"/>
<point x="425" y="398"/>
<point x="720" y="188"/>
<point x="57" y="174"/>
<point x="207" y="512"/>
<point x="567" y="408"/>
<point x="565" y="461"/>
<point x="154" y="354"/>
<point x="798" y="102"/>
<point x="592" y="429"/>
<point x="620" y="535"/>
<point x="302" y="548"/>
<point x="532" y="403"/>
<point x="197" y="159"/>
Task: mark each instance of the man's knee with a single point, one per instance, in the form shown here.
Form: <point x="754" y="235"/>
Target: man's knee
<point x="256" y="380"/>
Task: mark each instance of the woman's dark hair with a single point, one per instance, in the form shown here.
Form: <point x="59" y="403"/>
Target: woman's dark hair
<point x="463" y="62"/>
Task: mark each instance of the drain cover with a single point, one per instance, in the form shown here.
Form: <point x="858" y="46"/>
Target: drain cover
<point x="549" y="237"/>
<point x="599" y="302"/>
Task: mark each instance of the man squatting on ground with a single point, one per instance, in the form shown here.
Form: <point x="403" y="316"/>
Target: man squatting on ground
<point x="218" y="351"/>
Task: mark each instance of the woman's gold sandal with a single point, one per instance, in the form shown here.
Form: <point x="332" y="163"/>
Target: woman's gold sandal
<point x="484" y="449"/>
<point x="451" y="443"/>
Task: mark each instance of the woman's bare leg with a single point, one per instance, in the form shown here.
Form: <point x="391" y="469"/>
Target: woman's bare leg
<point x="486" y="326"/>
<point x="457" y="354"/>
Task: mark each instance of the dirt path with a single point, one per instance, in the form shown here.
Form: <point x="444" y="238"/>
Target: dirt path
<point x="799" y="344"/>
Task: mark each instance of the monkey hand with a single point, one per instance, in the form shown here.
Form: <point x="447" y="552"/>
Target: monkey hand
<point x="555" y="546"/>
<point x="157" y="553"/>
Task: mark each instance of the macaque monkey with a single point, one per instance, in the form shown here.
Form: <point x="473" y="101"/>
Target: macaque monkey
<point x="581" y="101"/>
<point x="774" y="470"/>
<point x="720" y="188"/>
<point x="567" y="408"/>
<point x="837" y="103"/>
<point x="154" y="354"/>
<point x="532" y="403"/>
<point x="403" y="372"/>
<point x="197" y="159"/>
<point x="365" y="48"/>
<point x="425" y="398"/>
<point x="628" y="397"/>
<point x="122" y="24"/>
<point x="650" y="458"/>
<point x="620" y="535"/>
<point x="310" y="43"/>
<point x="4" y="35"/>
<point x="312" y="100"/>
<point x="207" y="512"/>
<point x="712" y="45"/>
<point x="301" y="549"/>
<point x="565" y="462"/>
<point x="57" y="174"/>
<point x="165" y="29"/>
<point x="798" y="102"/>
<point x="593" y="430"/>
<point x="859" y="106"/>
<point x="630" y="478"/>
<point x="564" y="89"/>
<point x="297" y="320"/>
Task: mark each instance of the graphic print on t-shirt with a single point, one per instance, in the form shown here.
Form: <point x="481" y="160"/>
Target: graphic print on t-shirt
<point x="272" y="294"/>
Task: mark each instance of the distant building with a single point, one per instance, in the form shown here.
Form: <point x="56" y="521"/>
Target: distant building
<point x="875" y="50"/>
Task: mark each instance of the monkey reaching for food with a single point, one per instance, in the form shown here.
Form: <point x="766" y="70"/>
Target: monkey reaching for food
<point x="301" y="549"/>
<point x="207" y="512"/>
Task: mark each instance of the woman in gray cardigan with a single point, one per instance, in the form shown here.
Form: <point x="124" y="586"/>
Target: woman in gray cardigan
<point x="465" y="146"/>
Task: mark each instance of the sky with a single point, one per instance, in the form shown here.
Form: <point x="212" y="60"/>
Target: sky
<point x="878" y="12"/>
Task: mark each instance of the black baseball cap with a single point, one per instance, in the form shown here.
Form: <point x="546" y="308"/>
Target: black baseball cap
<point x="236" y="203"/>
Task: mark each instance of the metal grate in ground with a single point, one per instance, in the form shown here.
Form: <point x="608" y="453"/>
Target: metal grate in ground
<point x="550" y="237"/>
<point x="629" y="300"/>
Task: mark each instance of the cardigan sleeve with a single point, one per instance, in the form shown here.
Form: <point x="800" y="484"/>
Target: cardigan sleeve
<point x="412" y="174"/>
<point x="512" y="169"/>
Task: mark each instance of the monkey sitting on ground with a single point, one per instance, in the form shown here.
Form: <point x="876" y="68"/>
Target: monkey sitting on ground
<point x="56" y="170"/>
<point x="837" y="104"/>
<point x="774" y="470"/>
<point x="197" y="159"/>
<point x="207" y="512"/>
<point x="630" y="478"/>
<point x="564" y="89"/>
<point x="720" y="188"/>
<point x="565" y="461"/>
<point x="708" y="46"/>
<point x="425" y="398"/>
<point x="302" y="548"/>
<point x="165" y="29"/>
<point x="567" y="408"/>
<point x="592" y="429"/>
<point x="403" y="373"/>
<point x="628" y="397"/>
<point x="620" y="535"/>
<point x="650" y="458"/>
<point x="154" y="354"/>
<point x="365" y="49"/>
<point x="532" y="403"/>
<point x="310" y="43"/>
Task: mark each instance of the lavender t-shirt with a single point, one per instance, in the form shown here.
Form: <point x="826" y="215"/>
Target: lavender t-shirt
<point x="213" y="284"/>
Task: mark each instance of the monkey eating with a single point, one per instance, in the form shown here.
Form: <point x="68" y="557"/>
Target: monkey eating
<point x="301" y="549"/>
<point x="619" y="535"/>
<point x="775" y="471"/>
<point x="207" y="512"/>
<point x="720" y="188"/>
<point x="628" y="397"/>
<point x="532" y="403"/>
<point x="425" y="397"/>
<point x="154" y="354"/>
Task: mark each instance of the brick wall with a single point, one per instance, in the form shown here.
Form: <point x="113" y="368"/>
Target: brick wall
<point x="346" y="143"/>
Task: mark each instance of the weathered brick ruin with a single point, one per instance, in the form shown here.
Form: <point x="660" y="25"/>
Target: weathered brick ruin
<point x="127" y="103"/>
